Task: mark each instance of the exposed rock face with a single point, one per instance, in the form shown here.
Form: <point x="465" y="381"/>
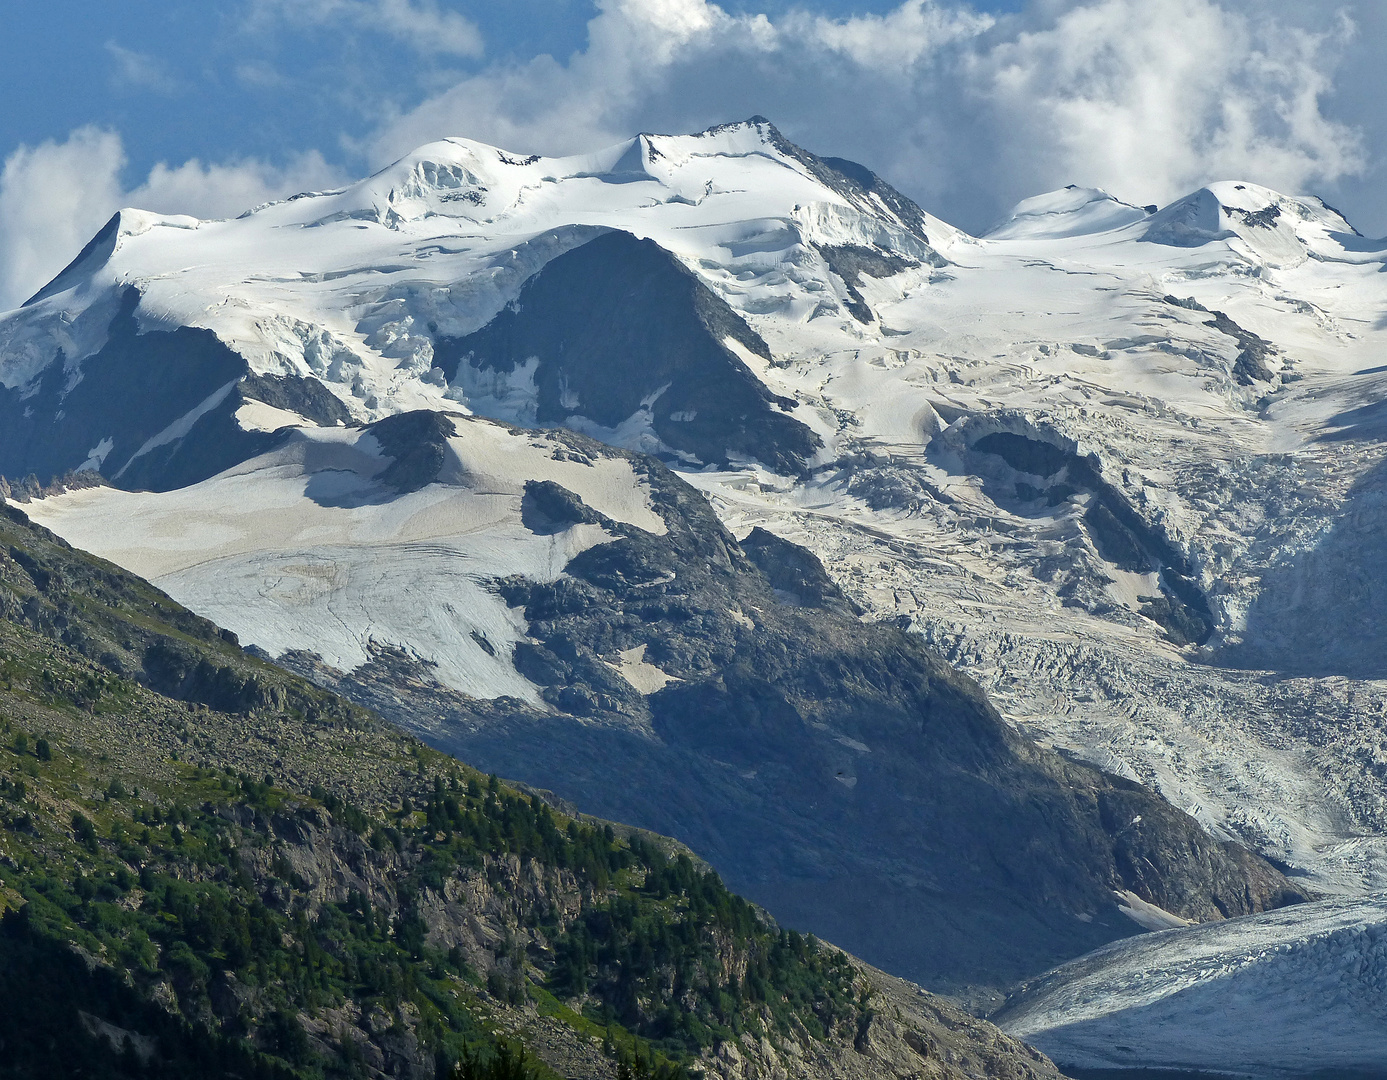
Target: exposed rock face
<point x="488" y="914"/>
<point x="415" y="443"/>
<point x="157" y="378"/>
<point x="851" y="261"/>
<point x="1254" y="352"/>
<point x="303" y="395"/>
<point x="795" y="574"/>
<point x="1121" y="536"/>
<point x="827" y="767"/>
<point x="624" y="334"/>
<point x="152" y="409"/>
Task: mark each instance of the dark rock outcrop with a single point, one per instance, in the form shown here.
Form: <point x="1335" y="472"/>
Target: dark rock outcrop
<point x="153" y="409"/>
<point x="1254" y="352"/>
<point x="796" y="573"/>
<point x="619" y="326"/>
<point x="130" y="392"/>
<point x="1120" y="534"/>
<point x="415" y="443"/>
<point x="851" y="261"/>
<point x="304" y="395"/>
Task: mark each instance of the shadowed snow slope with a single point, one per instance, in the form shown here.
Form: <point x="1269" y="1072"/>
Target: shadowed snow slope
<point x="620" y="335"/>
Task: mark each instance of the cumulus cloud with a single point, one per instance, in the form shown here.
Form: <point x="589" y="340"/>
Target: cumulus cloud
<point x="912" y="33"/>
<point x="260" y="75"/>
<point x="967" y="112"/>
<point x="54" y="196"/>
<point x="220" y="190"/>
<point x="671" y="63"/>
<point x="1150" y="99"/>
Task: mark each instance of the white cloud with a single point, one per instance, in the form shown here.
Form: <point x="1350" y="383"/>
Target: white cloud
<point x="634" y="49"/>
<point x="259" y="75"/>
<point x="912" y="33"/>
<point x="1149" y="98"/>
<point x="966" y="113"/>
<point x="139" y="70"/>
<point x="54" y="197"/>
<point x="213" y="190"/>
<point x="420" y="24"/>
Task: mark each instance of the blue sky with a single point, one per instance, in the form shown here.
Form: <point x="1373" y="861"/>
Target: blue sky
<point x="200" y="108"/>
<point x="180" y="79"/>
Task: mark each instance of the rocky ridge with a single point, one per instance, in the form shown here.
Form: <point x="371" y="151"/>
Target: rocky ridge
<point x="151" y="767"/>
<point x="757" y="719"/>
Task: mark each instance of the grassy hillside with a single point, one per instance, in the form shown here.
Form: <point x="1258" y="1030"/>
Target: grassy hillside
<point x="210" y="867"/>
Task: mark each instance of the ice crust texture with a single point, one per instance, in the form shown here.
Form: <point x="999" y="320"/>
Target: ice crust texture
<point x="1211" y="375"/>
<point x="1285" y="993"/>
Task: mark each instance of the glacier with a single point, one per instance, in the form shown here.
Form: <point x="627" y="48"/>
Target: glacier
<point x="1294" y="992"/>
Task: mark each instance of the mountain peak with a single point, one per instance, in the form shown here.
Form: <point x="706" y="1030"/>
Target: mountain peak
<point x="1069" y="211"/>
<point x="1267" y="227"/>
<point x="123" y="223"/>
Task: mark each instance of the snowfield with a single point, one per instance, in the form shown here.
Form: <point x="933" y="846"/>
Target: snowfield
<point x="1210" y="375"/>
<point x="303" y="548"/>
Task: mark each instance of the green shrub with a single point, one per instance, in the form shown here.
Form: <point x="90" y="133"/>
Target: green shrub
<point x="84" y="830"/>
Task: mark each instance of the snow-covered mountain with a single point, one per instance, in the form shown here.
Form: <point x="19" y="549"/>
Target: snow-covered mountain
<point x="1122" y="465"/>
<point x="577" y="616"/>
<point x="365" y="289"/>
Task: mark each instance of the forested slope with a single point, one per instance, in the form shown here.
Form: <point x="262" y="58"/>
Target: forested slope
<point x="210" y="867"/>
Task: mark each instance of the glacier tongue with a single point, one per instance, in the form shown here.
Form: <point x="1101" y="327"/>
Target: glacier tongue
<point x="1296" y="992"/>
